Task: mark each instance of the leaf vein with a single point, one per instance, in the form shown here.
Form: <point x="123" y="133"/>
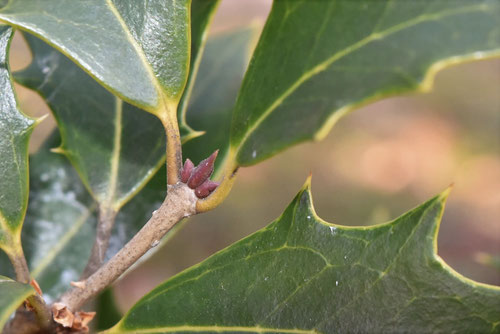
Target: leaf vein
<point x="346" y="51"/>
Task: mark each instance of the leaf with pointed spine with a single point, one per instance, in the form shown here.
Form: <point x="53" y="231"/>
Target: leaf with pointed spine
<point x="12" y="294"/>
<point x="139" y="50"/>
<point x="317" y="60"/>
<point x="15" y="131"/>
<point x="202" y="12"/>
<point x="303" y="275"/>
<point x="114" y="146"/>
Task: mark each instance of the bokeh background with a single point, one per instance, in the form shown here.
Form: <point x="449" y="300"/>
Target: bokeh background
<point x="377" y="163"/>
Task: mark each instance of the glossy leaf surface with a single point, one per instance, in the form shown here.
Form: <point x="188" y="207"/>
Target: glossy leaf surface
<point x="202" y="12"/>
<point x="303" y="275"/>
<point x="15" y="130"/>
<point x="114" y="146"/>
<point x="139" y="50"/>
<point x="317" y="60"/>
<point x="12" y="294"/>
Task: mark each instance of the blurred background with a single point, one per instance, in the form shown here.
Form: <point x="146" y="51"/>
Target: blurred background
<point x="377" y="163"/>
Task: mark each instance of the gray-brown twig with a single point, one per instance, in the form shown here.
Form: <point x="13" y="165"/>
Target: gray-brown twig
<point x="179" y="203"/>
<point x="103" y="233"/>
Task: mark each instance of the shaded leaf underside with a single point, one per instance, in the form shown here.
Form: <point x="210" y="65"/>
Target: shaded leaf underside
<point x="303" y="275"/>
<point x="303" y="77"/>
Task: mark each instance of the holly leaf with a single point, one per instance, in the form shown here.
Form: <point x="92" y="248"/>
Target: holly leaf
<point x="318" y="60"/>
<point x="15" y="131"/>
<point x="304" y="275"/>
<point x="138" y="50"/>
<point x="115" y="147"/>
<point x="12" y="294"/>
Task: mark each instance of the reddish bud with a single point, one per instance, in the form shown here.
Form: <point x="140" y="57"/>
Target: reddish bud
<point x="206" y="188"/>
<point x="202" y="172"/>
<point x="187" y="170"/>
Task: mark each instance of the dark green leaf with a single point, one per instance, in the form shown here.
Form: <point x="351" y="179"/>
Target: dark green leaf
<point x="214" y="93"/>
<point x="114" y="146"/>
<point x="137" y="49"/>
<point x="202" y="12"/>
<point x="317" y="60"/>
<point x="15" y="130"/>
<point x="107" y="312"/>
<point x="304" y="275"/>
<point x="6" y="268"/>
<point x="12" y="294"/>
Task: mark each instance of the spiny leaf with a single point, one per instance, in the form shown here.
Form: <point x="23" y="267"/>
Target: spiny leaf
<point x="304" y="275"/>
<point x="15" y="130"/>
<point x="317" y="60"/>
<point x="12" y="294"/>
<point x="139" y="50"/>
<point x="114" y="146"/>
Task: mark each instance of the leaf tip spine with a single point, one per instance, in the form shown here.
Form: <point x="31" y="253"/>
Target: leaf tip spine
<point x="307" y="183"/>
<point x="40" y="119"/>
<point x="59" y="150"/>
